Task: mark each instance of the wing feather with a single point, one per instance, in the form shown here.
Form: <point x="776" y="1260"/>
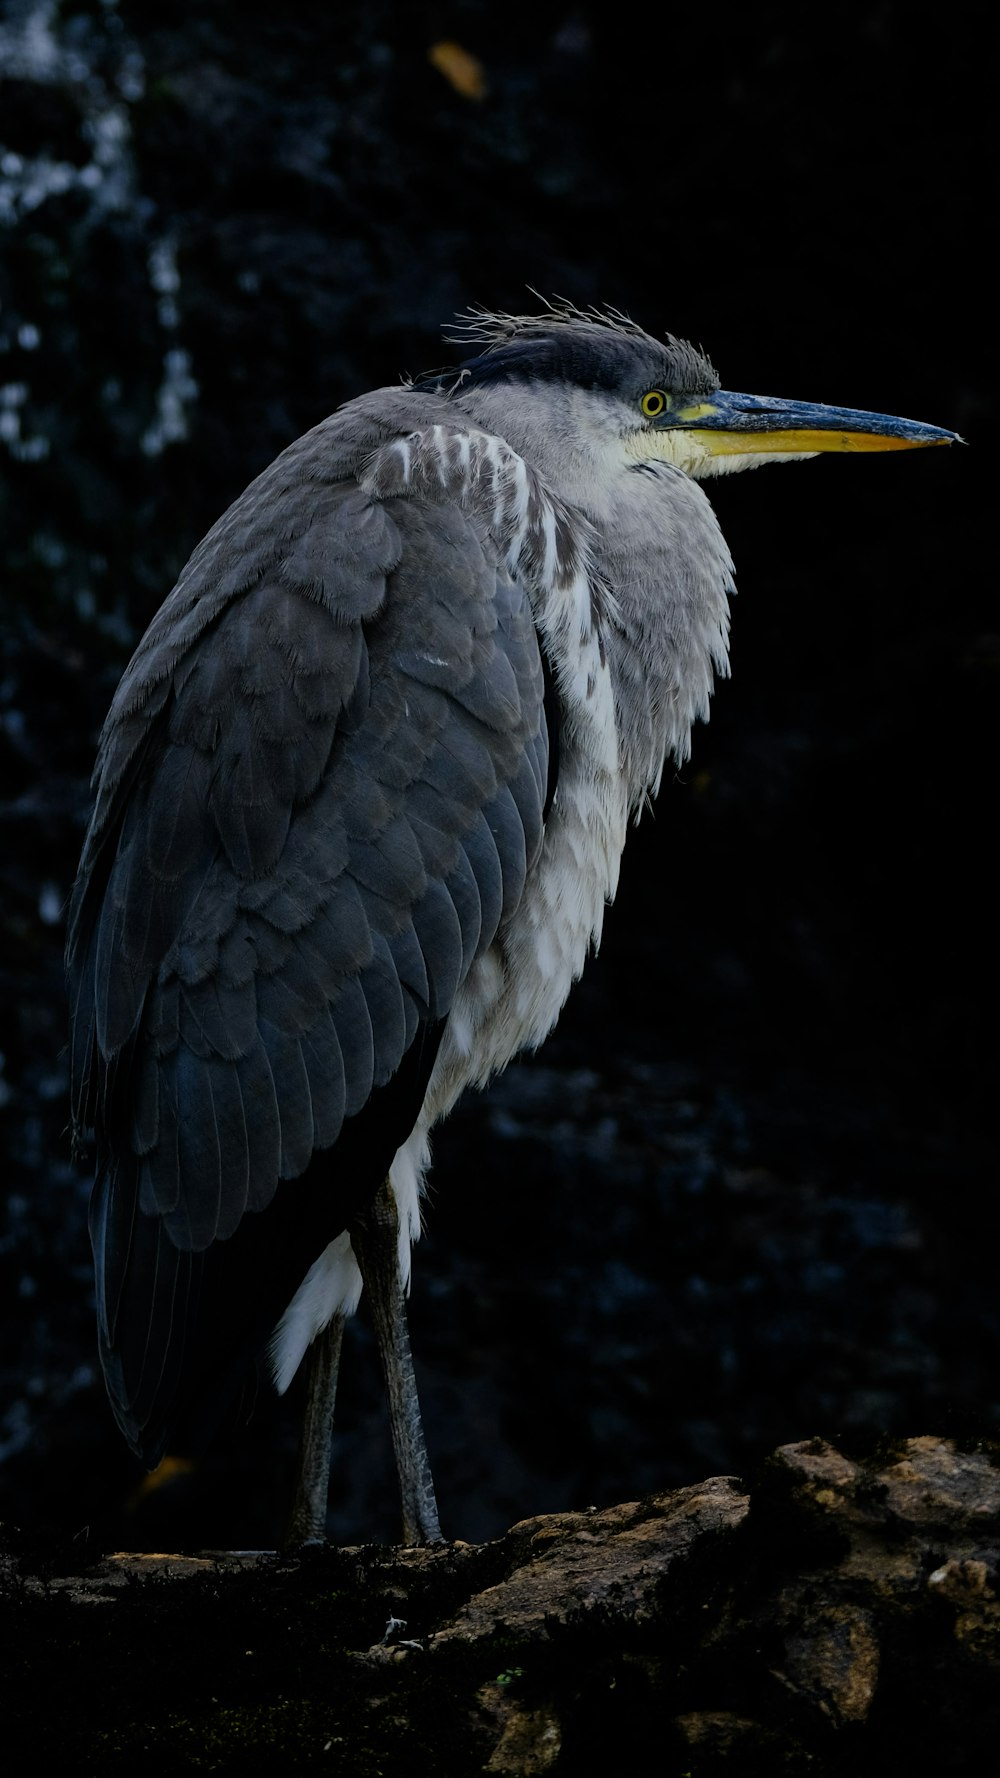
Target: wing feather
<point x="324" y="1063"/>
<point x="318" y="792"/>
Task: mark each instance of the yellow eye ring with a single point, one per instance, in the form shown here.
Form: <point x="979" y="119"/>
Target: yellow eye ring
<point x="653" y="403"/>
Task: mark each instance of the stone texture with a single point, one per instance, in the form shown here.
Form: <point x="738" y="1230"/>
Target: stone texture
<point x="841" y="1617"/>
<point x="585" y="1564"/>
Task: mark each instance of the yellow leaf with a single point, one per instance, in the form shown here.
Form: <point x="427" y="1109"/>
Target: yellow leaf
<point x="463" y="71"/>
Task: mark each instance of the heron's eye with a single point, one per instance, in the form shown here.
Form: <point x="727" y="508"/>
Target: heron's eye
<point x="653" y="403"/>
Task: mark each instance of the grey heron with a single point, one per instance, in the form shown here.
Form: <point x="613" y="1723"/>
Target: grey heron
<point x="360" y="803"/>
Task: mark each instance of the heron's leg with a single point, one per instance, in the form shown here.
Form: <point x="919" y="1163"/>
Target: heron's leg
<point x="307" y="1523"/>
<point x="375" y="1238"/>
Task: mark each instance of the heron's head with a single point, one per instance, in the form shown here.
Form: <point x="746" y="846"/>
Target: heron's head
<point x="597" y="375"/>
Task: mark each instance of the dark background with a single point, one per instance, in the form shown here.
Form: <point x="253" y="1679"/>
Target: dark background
<point x="744" y="1194"/>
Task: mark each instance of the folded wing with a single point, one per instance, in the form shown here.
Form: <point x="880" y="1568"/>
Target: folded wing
<point x="319" y="791"/>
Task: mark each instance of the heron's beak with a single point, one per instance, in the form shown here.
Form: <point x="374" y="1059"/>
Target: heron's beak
<point x="726" y="425"/>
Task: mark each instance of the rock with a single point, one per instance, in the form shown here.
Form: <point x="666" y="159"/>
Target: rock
<point x="583" y="1564"/>
<point x="841" y="1616"/>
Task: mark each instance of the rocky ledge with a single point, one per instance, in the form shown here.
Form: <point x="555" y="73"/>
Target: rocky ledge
<point x="836" y="1616"/>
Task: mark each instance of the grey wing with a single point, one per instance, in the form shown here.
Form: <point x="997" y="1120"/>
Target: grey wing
<point x="318" y="796"/>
